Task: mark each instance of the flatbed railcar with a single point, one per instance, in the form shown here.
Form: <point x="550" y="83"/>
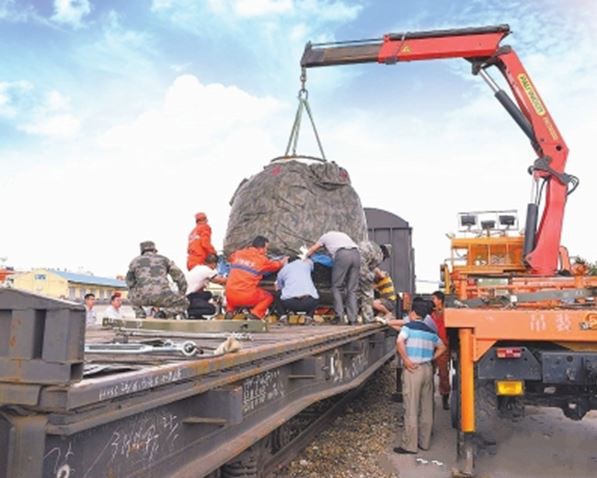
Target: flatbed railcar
<point x="64" y="413"/>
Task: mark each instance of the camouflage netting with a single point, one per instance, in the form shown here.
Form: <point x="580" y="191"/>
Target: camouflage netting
<point x="292" y="204"/>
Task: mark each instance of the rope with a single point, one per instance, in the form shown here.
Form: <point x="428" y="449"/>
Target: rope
<point x="303" y="98"/>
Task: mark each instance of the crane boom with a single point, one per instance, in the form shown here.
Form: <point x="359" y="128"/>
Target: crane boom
<point x="481" y="47"/>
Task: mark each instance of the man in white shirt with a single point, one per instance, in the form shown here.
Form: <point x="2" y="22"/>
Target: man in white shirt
<point x="90" y="316"/>
<point x="197" y="279"/>
<point x="345" y="271"/>
<point x="113" y="310"/>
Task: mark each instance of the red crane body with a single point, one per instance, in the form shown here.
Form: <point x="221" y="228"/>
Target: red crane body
<point x="481" y="46"/>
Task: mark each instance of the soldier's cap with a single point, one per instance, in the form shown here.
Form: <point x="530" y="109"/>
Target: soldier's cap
<point x="386" y="250"/>
<point x="200" y="216"/>
<point x="148" y="246"/>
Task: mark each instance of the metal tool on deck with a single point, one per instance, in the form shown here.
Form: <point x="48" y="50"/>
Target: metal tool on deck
<point x="192" y="326"/>
<point x="128" y="332"/>
<point x="187" y="348"/>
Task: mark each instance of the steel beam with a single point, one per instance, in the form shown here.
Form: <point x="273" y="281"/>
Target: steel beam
<point x="198" y="326"/>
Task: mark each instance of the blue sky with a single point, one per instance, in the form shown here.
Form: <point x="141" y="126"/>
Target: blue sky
<point x="120" y="119"/>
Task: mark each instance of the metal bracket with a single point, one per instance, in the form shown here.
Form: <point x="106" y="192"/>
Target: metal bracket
<point x="542" y="164"/>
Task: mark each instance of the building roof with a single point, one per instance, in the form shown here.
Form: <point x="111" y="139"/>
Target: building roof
<point x="88" y="279"/>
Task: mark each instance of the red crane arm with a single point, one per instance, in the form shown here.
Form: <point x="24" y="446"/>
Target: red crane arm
<point x="552" y="153"/>
<point x="481" y="46"/>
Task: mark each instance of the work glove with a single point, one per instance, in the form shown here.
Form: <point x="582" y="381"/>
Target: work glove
<point x="230" y="345"/>
<point x="303" y="253"/>
<point x="381" y="320"/>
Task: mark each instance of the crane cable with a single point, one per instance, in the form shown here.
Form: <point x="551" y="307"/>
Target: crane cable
<point x="303" y="98"/>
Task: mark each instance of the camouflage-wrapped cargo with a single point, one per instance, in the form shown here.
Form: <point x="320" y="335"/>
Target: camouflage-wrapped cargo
<point x="292" y="203"/>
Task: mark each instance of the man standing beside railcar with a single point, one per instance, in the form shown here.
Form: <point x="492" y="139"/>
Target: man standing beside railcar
<point x="418" y="345"/>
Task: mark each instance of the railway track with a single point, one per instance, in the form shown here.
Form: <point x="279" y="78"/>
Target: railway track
<point x="272" y="454"/>
<point x="324" y="415"/>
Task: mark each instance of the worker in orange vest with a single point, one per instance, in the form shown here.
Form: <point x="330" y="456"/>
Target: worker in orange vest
<point x="247" y="267"/>
<point x="199" y="242"/>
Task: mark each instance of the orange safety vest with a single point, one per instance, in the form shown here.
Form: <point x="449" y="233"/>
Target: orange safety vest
<point x="200" y="242"/>
<point x="247" y="267"/>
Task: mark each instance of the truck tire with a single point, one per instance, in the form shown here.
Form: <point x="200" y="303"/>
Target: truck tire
<point x="486" y="414"/>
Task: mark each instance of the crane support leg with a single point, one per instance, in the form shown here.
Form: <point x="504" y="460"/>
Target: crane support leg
<point x="467" y="405"/>
<point x="467" y="381"/>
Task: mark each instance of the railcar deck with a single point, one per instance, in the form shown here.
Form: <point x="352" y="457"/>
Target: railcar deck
<point x="175" y="416"/>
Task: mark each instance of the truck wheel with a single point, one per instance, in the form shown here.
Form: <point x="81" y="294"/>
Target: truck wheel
<point x="486" y="414"/>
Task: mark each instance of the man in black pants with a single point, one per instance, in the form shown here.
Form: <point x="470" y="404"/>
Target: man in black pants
<point x="297" y="290"/>
<point x="345" y="271"/>
<point x="197" y="280"/>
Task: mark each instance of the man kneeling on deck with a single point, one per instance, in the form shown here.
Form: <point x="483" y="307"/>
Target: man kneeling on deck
<point x="247" y="267"/>
<point x="197" y="280"/>
<point x="418" y="345"/>
<point x="297" y="290"/>
<point x="147" y="280"/>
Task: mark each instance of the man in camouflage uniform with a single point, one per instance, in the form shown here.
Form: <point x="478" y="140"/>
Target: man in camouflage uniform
<point x="147" y="280"/>
<point x="371" y="257"/>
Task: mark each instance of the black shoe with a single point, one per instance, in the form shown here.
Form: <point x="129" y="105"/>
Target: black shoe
<point x="404" y="451"/>
<point x="446" y="402"/>
<point x="397" y="397"/>
<point x="251" y="316"/>
<point x="160" y="315"/>
<point x="229" y="316"/>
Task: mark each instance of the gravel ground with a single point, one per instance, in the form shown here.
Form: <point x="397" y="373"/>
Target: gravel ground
<point x="357" y="443"/>
<point x="544" y="444"/>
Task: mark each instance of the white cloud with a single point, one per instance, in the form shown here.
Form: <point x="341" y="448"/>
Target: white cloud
<point x="119" y="51"/>
<point x="256" y="8"/>
<point x="278" y="30"/>
<point x="191" y="116"/>
<point x="13" y="12"/>
<point x="56" y="101"/>
<point x="11" y="95"/>
<point x="333" y="11"/>
<point x="314" y="11"/>
<point x="145" y="180"/>
<point x="49" y="116"/>
<point x="164" y="4"/>
<point x="61" y="126"/>
<point x="179" y="68"/>
<point x="71" y="12"/>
